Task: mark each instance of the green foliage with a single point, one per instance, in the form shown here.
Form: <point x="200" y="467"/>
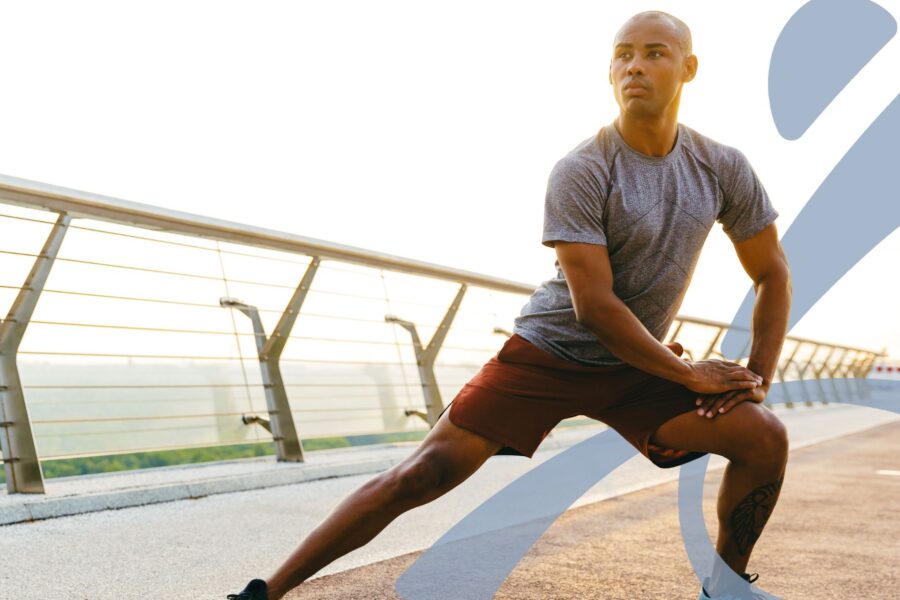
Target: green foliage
<point x="144" y="460"/>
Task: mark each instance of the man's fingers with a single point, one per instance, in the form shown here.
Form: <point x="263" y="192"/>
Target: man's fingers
<point x="713" y="405"/>
<point x="742" y="374"/>
<point x="714" y="408"/>
<point x="757" y="395"/>
<point x="729" y="404"/>
<point x="707" y="403"/>
<point x="727" y="363"/>
<point x="745" y="375"/>
<point x="746" y="385"/>
<point x="734" y="400"/>
<point x="736" y="369"/>
<point x="732" y="364"/>
<point x="745" y="370"/>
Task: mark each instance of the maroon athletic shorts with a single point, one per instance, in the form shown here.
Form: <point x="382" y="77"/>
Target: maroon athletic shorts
<point x="522" y="392"/>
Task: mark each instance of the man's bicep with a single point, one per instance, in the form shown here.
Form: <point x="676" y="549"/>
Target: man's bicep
<point x="573" y="206"/>
<point x="762" y="255"/>
<point x="588" y="273"/>
<point x="746" y="207"/>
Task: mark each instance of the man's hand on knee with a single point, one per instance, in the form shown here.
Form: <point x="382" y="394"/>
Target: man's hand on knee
<point x="712" y="405"/>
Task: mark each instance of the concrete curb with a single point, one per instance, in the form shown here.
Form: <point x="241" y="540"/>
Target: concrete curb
<point x="322" y="464"/>
<point x="53" y="507"/>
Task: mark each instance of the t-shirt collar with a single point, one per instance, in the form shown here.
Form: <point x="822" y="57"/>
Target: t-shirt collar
<point x="679" y="135"/>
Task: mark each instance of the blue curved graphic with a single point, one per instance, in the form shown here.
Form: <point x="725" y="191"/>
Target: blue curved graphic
<point x="817" y="54"/>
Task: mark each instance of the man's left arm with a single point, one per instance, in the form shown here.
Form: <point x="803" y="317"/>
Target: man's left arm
<point x="765" y="262"/>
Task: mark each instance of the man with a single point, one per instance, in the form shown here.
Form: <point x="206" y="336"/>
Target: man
<point x="627" y="212"/>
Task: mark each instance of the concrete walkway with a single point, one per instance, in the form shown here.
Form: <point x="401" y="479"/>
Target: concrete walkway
<point x="210" y="546"/>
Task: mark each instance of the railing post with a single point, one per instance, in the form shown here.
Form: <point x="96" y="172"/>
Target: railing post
<point x="288" y="447"/>
<point x="862" y="371"/>
<point x="722" y="356"/>
<point x="818" y="373"/>
<point x="832" y="371"/>
<point x="677" y="330"/>
<point x="711" y="347"/>
<point x="850" y="368"/>
<point x="425" y="358"/>
<point x="20" y="459"/>
<point x="782" y="370"/>
<point x="802" y="372"/>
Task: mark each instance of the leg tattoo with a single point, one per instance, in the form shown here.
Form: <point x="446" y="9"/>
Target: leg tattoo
<point x="751" y="514"/>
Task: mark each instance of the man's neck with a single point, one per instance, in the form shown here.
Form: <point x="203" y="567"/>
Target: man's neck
<point x="650" y="137"/>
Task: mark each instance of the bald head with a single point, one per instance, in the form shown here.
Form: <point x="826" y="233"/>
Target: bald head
<point x="679" y="29"/>
<point x="651" y="60"/>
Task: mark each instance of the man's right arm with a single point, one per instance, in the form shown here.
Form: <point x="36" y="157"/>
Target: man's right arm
<point x="589" y="276"/>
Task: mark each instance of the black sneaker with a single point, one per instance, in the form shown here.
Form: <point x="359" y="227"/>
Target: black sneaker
<point x="255" y="590"/>
<point x="726" y="596"/>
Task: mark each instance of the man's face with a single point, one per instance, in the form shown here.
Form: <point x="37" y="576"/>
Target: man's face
<point x="647" y="67"/>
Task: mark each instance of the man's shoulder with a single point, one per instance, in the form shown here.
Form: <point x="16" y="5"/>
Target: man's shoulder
<point x="714" y="154"/>
<point x="592" y="155"/>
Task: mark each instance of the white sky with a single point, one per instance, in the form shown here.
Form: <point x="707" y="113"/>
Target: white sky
<point x="420" y="129"/>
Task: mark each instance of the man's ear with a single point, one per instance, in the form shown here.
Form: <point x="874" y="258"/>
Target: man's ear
<point x="689" y="70"/>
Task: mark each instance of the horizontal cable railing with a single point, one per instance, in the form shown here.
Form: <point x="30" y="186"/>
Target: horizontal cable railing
<point x="134" y="328"/>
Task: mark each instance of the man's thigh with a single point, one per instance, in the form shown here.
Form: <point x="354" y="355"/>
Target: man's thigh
<point x="728" y="434"/>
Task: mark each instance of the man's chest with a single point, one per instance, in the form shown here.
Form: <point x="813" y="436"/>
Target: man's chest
<point x="669" y="210"/>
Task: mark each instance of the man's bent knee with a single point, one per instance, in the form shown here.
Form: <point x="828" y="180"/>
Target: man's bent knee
<point x="766" y="443"/>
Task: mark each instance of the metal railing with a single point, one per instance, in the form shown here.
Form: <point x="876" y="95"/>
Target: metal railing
<point x="135" y="339"/>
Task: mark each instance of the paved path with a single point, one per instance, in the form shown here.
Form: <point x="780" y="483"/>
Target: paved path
<point x="835" y="534"/>
<point x="207" y="547"/>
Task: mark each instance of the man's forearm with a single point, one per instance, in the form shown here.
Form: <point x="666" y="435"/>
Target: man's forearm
<point x="622" y="333"/>
<point x="771" y="313"/>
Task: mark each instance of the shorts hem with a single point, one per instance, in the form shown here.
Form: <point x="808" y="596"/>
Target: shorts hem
<point x="487" y="432"/>
<point x="677" y="462"/>
<point x="659" y="461"/>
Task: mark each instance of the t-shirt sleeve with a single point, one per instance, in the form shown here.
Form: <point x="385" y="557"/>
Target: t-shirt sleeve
<point x="573" y="207"/>
<point x="746" y="208"/>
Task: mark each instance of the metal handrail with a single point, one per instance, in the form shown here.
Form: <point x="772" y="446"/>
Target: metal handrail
<point x="79" y="204"/>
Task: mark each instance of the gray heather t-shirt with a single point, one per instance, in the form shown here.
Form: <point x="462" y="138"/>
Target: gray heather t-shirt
<point x="653" y="214"/>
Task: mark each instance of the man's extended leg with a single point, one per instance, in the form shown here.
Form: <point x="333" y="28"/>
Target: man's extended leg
<point x="755" y="442"/>
<point x="444" y="459"/>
